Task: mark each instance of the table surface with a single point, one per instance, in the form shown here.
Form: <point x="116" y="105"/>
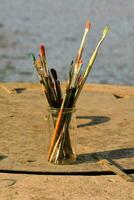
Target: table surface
<point x="105" y="125"/>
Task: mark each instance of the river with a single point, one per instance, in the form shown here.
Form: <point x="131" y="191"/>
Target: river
<point x="26" y="24"/>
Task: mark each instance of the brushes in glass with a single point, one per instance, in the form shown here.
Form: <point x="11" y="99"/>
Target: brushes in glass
<point x="60" y="140"/>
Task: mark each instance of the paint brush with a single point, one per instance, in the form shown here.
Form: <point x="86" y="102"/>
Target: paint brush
<point x="57" y="126"/>
<point x="47" y="77"/>
<point x="60" y="146"/>
<point x="80" y="51"/>
<point x="42" y="56"/>
<point x="77" y="65"/>
<point x="37" y="65"/>
<point x="68" y="102"/>
<point x="57" y="87"/>
<point x="71" y="72"/>
<point x="45" y="80"/>
<point x="89" y="66"/>
<point x="92" y="59"/>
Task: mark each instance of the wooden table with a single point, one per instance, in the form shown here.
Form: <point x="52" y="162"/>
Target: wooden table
<point x="105" y="120"/>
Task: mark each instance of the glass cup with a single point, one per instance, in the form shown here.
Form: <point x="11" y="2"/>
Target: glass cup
<point x="61" y="135"/>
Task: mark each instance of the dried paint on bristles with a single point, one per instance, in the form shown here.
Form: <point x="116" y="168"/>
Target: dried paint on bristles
<point x="88" y="24"/>
<point x="38" y="63"/>
<point x="106" y="30"/>
<point x="42" y="50"/>
<point x="81" y="61"/>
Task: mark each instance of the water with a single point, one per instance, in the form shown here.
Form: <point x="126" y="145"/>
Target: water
<point x="26" y="24"/>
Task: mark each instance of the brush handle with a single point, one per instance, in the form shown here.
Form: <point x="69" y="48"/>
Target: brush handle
<point x="91" y="61"/>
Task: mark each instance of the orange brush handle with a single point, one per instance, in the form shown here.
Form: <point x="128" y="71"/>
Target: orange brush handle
<point x="55" y="133"/>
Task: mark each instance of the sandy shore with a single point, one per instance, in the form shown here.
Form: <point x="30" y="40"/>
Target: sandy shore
<point x="105" y="120"/>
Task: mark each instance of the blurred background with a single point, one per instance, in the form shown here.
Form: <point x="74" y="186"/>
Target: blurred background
<point x="26" y="24"/>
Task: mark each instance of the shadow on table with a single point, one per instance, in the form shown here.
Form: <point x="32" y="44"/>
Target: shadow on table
<point x="93" y="120"/>
<point x="19" y="90"/>
<point x="2" y="157"/>
<point x="112" y="154"/>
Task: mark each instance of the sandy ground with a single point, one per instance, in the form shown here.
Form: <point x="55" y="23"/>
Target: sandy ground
<point x="105" y="120"/>
<point x="25" y="187"/>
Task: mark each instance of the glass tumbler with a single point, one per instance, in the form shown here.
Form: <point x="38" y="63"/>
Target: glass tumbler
<point x="61" y="135"/>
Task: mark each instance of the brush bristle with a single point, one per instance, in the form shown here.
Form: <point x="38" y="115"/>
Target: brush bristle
<point x="81" y="61"/>
<point x="33" y="57"/>
<point x="42" y="50"/>
<point x="54" y="73"/>
<point x="106" y="30"/>
<point x="88" y="24"/>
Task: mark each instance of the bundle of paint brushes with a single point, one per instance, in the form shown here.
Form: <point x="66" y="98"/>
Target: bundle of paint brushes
<point x="60" y="145"/>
